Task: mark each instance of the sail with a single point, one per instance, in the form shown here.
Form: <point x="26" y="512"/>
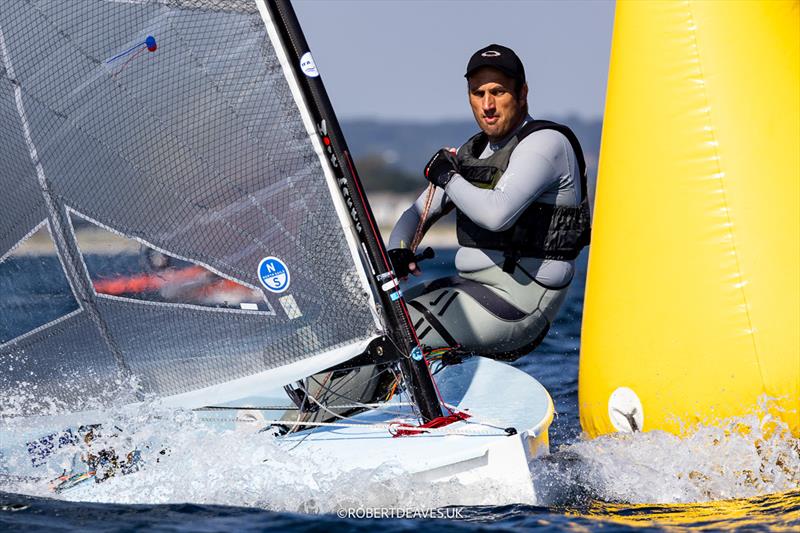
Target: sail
<point x="177" y="130"/>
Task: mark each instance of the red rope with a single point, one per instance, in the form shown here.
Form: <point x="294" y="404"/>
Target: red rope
<point x="405" y="430"/>
<point x="419" y="233"/>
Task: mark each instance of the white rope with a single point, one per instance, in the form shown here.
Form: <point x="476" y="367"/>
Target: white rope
<point x="396" y="427"/>
<point x="473" y="420"/>
<point x="480" y="420"/>
<point x="294" y="407"/>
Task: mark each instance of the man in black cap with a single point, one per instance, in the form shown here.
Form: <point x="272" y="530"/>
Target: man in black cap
<point x="522" y="217"/>
<point x="519" y="191"/>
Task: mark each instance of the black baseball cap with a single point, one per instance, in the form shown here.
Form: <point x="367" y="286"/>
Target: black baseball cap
<point x="497" y="56"/>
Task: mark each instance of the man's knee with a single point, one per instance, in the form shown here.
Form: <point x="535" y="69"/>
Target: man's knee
<point x="468" y="314"/>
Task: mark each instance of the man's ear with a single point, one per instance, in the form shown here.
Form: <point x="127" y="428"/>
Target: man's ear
<point x="523" y="92"/>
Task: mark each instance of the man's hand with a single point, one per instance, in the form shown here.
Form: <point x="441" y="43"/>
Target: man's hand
<point x="403" y="262"/>
<point x="441" y="168"/>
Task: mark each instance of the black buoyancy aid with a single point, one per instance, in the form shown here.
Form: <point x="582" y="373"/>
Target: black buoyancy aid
<point x="545" y="231"/>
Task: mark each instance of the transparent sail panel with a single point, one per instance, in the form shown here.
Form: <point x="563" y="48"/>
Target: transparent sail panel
<point x="34" y="290"/>
<point x="121" y="267"/>
<point x="169" y="123"/>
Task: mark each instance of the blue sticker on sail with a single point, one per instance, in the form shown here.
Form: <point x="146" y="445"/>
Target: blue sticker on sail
<point x="273" y="274"/>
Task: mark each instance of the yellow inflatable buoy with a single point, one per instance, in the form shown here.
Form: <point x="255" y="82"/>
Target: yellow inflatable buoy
<point x="692" y="310"/>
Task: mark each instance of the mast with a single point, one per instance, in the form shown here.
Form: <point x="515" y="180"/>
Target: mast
<point x="415" y="371"/>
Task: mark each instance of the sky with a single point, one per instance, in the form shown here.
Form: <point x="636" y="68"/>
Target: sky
<point x="391" y="59"/>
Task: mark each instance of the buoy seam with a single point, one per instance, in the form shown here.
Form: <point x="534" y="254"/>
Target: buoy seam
<point x="720" y="175"/>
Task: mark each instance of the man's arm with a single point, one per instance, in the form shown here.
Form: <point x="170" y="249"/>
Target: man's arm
<point x="536" y="165"/>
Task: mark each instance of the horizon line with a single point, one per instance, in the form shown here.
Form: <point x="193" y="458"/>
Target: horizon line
<point x="443" y="120"/>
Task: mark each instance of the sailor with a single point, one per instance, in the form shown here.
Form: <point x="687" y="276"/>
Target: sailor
<point x="522" y="216"/>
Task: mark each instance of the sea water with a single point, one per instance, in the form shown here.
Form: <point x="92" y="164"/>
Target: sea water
<point x="721" y="477"/>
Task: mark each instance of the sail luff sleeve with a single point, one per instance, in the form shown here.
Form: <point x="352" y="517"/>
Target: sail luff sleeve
<point x="349" y="226"/>
<point x="400" y="329"/>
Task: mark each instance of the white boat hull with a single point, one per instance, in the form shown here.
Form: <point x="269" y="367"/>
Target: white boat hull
<point x="510" y="413"/>
<point x="483" y="451"/>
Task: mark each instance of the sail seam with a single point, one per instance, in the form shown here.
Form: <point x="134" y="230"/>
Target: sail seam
<point x="43" y="327"/>
<point x="20" y="242"/>
<point x="55" y="226"/>
<point x="194" y="307"/>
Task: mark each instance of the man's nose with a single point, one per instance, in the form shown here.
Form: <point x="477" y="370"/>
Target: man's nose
<point x="488" y="102"/>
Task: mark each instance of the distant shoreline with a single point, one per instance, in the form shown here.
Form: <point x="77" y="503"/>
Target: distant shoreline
<point x="387" y="207"/>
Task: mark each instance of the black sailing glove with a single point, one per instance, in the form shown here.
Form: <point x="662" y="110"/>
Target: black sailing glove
<point x="401" y="258"/>
<point x="441" y="168"/>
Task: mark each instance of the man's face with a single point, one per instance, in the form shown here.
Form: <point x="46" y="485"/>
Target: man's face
<point x="495" y="106"/>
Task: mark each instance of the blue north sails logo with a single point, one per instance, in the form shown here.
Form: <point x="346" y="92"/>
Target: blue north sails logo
<point x="273" y="274"/>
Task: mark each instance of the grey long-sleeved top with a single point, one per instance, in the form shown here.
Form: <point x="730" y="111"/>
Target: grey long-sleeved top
<point x="542" y="168"/>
